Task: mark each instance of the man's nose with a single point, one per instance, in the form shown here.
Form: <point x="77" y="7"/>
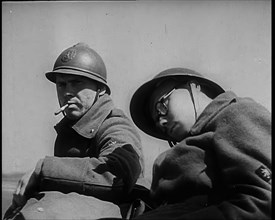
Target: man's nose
<point x="69" y="91"/>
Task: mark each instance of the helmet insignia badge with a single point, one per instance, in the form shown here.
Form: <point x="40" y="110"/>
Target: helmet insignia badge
<point x="68" y="56"/>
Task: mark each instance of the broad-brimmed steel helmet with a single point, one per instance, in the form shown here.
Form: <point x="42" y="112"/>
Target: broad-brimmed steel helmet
<point x="139" y="105"/>
<point x="80" y="60"/>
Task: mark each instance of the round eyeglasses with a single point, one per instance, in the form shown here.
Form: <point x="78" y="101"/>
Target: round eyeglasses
<point x="161" y="105"/>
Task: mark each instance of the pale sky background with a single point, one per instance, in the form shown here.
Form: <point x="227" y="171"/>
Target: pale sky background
<point x="228" y="41"/>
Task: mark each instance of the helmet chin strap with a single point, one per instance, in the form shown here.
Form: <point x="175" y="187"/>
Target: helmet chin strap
<point x="192" y="89"/>
<point x="96" y="96"/>
<point x="99" y="92"/>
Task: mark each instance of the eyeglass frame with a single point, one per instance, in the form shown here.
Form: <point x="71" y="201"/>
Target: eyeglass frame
<point x="165" y="96"/>
<point x="161" y="102"/>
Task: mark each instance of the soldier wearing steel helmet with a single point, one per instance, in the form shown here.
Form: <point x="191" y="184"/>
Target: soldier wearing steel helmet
<point x="219" y="163"/>
<point x="98" y="159"/>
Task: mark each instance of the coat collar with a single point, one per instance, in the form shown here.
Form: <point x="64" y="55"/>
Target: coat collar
<point x="220" y="102"/>
<point x="88" y="125"/>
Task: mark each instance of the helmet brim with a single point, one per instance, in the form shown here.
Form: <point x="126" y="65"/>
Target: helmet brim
<point x="139" y="104"/>
<point x="51" y="76"/>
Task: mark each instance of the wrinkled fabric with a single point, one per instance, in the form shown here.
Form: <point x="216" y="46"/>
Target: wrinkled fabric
<point x="100" y="155"/>
<point x="227" y="157"/>
<point x="72" y="206"/>
<point x="97" y="169"/>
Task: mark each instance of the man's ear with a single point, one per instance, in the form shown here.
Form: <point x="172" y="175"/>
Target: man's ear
<point x="196" y="88"/>
<point x="195" y="85"/>
<point x="102" y="90"/>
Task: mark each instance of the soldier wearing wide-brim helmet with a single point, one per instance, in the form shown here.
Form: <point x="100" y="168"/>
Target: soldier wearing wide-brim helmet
<point x="139" y="105"/>
<point x="219" y="163"/>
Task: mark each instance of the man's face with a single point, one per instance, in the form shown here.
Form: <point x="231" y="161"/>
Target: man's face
<point x="78" y="91"/>
<point x="179" y="116"/>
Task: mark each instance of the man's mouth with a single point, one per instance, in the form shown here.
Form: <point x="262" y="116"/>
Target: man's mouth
<point x="171" y="129"/>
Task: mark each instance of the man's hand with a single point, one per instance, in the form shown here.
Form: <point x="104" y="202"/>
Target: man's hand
<point x="179" y="173"/>
<point x="27" y="186"/>
<point x="166" y="177"/>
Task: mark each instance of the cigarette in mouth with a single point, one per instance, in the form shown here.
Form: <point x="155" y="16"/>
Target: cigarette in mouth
<point x="61" y="109"/>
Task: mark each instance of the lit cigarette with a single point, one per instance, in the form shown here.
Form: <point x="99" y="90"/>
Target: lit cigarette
<point x="61" y="109"/>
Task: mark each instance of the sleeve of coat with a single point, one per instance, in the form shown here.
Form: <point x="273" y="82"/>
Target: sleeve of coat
<point x="121" y="149"/>
<point x="108" y="177"/>
<point x="242" y="144"/>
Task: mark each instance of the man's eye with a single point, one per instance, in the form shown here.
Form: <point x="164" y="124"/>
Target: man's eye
<point x="77" y="82"/>
<point x="60" y="85"/>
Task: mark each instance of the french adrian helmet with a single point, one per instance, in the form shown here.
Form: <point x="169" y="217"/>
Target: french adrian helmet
<point x="80" y="60"/>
